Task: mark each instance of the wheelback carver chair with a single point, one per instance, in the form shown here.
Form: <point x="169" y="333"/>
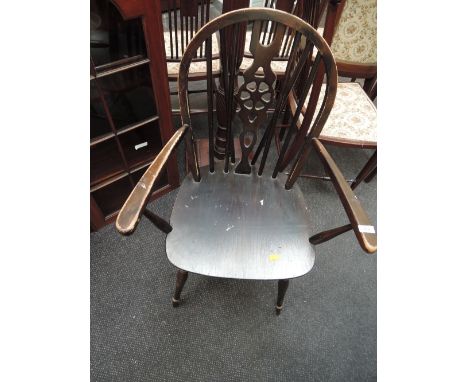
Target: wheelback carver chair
<point x="230" y="219"/>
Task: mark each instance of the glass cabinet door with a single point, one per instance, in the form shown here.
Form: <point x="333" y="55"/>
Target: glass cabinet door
<point x="125" y="128"/>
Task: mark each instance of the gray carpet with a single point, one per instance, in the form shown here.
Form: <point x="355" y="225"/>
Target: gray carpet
<point x="226" y="330"/>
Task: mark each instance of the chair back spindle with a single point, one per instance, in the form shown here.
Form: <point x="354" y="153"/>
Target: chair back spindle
<point x="184" y="20"/>
<point x="309" y="10"/>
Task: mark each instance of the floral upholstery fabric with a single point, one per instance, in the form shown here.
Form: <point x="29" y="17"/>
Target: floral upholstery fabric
<point x="353" y="117"/>
<point x="355" y="38"/>
<point x="195" y="67"/>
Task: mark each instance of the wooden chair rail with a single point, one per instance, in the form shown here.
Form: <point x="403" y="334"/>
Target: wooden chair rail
<point x="324" y="236"/>
<point x="134" y="206"/>
<point x="353" y="70"/>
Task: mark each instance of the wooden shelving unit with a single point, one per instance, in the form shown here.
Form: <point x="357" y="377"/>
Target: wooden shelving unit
<point x="130" y="113"/>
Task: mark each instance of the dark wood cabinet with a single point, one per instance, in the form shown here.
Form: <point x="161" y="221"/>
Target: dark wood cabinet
<point x="130" y="118"/>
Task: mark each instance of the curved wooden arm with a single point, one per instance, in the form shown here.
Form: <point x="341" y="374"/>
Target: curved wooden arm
<point x="133" y="207"/>
<point x="357" y="216"/>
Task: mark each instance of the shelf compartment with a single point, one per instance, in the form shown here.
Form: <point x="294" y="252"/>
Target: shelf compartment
<point x="134" y="126"/>
<point x="108" y="181"/>
<point x="106" y="161"/>
<point x="141" y="145"/>
<point x="111" y="198"/>
<point x="124" y="130"/>
<point x="129" y="96"/>
<point x="98" y="120"/>
<point x="119" y="66"/>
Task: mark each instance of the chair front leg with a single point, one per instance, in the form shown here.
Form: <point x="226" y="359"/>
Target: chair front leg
<point x="181" y="278"/>
<point x="282" y="287"/>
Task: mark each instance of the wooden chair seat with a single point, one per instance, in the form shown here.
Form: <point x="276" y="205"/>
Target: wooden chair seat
<point x="240" y="226"/>
<point x="353" y="119"/>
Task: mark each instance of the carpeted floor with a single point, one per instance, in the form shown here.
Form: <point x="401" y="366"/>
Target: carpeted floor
<point x="227" y="330"/>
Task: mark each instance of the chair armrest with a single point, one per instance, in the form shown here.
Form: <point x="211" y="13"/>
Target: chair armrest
<point x="133" y="207"/>
<point x="358" y="218"/>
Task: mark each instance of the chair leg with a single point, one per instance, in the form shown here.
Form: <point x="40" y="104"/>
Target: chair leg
<point x="371" y="175"/>
<point x="368" y="168"/>
<point x="282" y="287"/>
<point x="287" y="114"/>
<point x="181" y="278"/>
<point x="370" y="87"/>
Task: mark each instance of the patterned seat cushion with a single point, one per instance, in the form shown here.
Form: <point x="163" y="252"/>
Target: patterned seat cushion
<point x="353" y="117"/>
<point x="195" y="67"/>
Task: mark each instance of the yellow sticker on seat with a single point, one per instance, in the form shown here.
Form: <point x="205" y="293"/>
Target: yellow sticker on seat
<point x="273" y="257"/>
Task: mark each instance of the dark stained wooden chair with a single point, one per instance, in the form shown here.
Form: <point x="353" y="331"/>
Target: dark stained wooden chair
<point x="352" y="35"/>
<point x="182" y="20"/>
<point x="233" y="219"/>
<point x="355" y="49"/>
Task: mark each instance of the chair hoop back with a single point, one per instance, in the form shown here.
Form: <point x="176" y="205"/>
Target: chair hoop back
<point x="254" y="92"/>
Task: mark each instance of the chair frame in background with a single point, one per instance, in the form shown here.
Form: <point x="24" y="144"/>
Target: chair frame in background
<point x="345" y="69"/>
<point x="184" y="20"/>
<point x="368" y="72"/>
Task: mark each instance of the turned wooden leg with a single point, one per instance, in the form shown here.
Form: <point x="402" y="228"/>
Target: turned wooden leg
<point x="282" y="287"/>
<point x="181" y="278"/>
